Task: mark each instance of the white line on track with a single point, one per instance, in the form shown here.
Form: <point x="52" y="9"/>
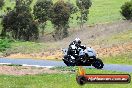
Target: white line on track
<point x="29" y="65"/>
<point x="38" y="66"/>
<point x="5" y="63"/>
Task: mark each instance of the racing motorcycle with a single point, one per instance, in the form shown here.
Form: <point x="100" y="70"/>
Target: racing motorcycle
<point x="86" y="57"/>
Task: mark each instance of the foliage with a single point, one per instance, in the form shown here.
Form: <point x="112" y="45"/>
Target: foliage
<point x="19" y="23"/>
<point x="1" y="3"/>
<point x="84" y="6"/>
<point x="60" y="18"/>
<point x="23" y="2"/>
<point x="42" y="11"/>
<point x="126" y="10"/>
<point x="73" y="8"/>
<point x="4" y="44"/>
<point x="60" y="14"/>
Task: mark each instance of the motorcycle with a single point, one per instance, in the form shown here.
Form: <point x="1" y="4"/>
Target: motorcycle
<point x="86" y="57"/>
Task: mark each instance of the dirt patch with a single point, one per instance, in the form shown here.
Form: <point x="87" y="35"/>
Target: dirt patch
<point x="58" y="55"/>
<point x="115" y="50"/>
<point x="20" y="70"/>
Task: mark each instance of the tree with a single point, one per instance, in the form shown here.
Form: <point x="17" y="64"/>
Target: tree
<point x="126" y="10"/>
<point x="42" y="12"/>
<point x="1" y="3"/>
<point x="73" y="8"/>
<point x="84" y="6"/>
<point x="60" y="19"/>
<point x="19" y="23"/>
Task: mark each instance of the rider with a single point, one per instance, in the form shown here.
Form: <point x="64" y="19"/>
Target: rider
<point x="74" y="46"/>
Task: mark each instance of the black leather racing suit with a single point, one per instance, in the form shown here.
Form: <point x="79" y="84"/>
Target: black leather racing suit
<point x="75" y="52"/>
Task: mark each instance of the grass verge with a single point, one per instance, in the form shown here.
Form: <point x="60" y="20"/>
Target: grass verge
<point x="55" y="81"/>
<point x="125" y="58"/>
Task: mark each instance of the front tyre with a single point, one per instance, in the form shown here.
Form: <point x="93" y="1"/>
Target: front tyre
<point x="98" y="64"/>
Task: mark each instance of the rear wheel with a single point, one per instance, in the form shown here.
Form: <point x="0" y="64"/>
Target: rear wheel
<point x="98" y="64"/>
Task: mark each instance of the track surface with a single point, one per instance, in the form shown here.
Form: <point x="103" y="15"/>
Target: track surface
<point x="49" y="63"/>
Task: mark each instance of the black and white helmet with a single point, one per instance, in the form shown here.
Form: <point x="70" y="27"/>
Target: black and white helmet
<point x="78" y="41"/>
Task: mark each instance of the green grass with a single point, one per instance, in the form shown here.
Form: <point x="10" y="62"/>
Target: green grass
<point x="117" y="38"/>
<point x="5" y="44"/>
<point x="55" y="81"/>
<point x="30" y="47"/>
<point x="105" y="11"/>
<point x="27" y="47"/>
<point x="125" y="58"/>
<point x="122" y="37"/>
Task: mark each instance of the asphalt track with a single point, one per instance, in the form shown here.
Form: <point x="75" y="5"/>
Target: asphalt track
<point x="49" y="63"/>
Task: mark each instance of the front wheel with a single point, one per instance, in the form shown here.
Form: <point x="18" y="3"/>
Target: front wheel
<point x="98" y="64"/>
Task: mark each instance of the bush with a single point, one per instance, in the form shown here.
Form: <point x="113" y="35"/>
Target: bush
<point x="126" y="10"/>
<point x="4" y="44"/>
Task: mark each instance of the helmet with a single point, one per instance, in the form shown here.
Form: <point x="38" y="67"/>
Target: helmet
<point x="78" y="41"/>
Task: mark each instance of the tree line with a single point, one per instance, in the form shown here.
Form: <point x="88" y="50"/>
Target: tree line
<point x="21" y="23"/>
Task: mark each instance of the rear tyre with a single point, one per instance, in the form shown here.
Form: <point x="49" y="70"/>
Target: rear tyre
<point x="98" y="64"/>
